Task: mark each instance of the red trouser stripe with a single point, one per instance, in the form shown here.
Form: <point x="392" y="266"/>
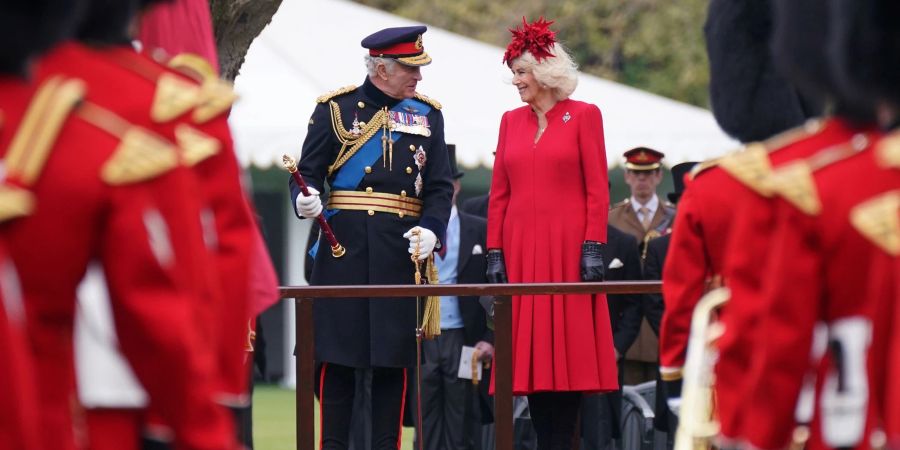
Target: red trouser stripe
<point x="321" y="407"/>
<point x="402" y="407"/>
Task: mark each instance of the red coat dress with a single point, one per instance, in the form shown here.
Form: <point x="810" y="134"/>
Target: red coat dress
<point x="547" y="198"/>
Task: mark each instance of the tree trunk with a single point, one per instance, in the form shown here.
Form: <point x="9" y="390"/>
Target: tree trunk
<point x="236" y="24"/>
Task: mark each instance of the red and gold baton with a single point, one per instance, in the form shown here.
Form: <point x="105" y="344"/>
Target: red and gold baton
<point x="337" y="250"/>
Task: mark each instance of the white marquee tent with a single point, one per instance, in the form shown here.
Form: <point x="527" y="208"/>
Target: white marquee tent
<point x="312" y="46"/>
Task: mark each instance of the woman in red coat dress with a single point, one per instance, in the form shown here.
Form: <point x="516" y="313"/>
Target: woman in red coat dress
<point x="547" y="218"/>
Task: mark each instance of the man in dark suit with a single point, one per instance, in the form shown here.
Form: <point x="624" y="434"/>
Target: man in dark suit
<point x="652" y="304"/>
<point x="477" y="206"/>
<point x="601" y="413"/>
<point x="451" y="404"/>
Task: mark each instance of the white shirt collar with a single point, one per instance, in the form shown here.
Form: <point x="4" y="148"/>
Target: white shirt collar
<point x="652" y="205"/>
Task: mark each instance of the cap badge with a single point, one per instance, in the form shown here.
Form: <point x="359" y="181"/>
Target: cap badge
<point x="566" y="117"/>
<point x="419" y="42"/>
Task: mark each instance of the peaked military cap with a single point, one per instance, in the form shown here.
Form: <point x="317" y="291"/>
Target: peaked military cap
<point x="643" y="158"/>
<point x="401" y="43"/>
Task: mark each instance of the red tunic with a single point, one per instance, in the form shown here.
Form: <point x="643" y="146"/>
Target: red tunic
<point x="18" y="395"/>
<point x="547" y="198"/>
<point x="229" y="228"/>
<point x="744" y="264"/>
<point x="817" y="272"/>
<point x="886" y="282"/>
<point x="695" y="256"/>
<point x="81" y="216"/>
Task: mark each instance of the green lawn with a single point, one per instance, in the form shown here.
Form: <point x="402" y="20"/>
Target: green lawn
<point x="274" y="417"/>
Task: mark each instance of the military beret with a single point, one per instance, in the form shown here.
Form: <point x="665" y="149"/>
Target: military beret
<point x="643" y="158"/>
<point x="401" y="43"/>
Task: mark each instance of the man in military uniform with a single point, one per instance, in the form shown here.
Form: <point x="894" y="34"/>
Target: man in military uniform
<point x="644" y="216"/>
<point x="380" y="149"/>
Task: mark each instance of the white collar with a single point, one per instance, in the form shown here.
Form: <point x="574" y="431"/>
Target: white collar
<point x="651" y="206"/>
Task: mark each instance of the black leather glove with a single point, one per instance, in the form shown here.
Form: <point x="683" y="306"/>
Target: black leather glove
<point x="592" y="268"/>
<point x="496" y="268"/>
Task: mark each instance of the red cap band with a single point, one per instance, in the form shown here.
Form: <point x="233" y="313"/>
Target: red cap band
<point x="403" y="48"/>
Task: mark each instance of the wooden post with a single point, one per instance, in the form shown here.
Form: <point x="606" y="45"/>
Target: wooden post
<point x="503" y="401"/>
<point x="305" y="407"/>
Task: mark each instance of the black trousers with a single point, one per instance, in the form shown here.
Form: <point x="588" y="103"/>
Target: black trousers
<point x="554" y="416"/>
<point x="337" y="389"/>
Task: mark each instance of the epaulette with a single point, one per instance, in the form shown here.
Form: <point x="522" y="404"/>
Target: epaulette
<point x="196" y="145"/>
<point x="141" y="155"/>
<point x="888" y="149"/>
<point x="174" y="96"/>
<point x="877" y="220"/>
<point x="434" y="103"/>
<point x="193" y="65"/>
<point x="794" y="182"/>
<point x="344" y="90"/>
<point x="50" y="106"/>
<point x="620" y="204"/>
<point x="751" y="167"/>
<point x="216" y="97"/>
<point x="703" y="167"/>
<point x="15" y="202"/>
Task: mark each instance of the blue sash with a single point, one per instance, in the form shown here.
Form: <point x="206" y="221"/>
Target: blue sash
<point x="352" y="172"/>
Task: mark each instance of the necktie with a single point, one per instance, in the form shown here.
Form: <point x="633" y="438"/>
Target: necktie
<point x="645" y="213"/>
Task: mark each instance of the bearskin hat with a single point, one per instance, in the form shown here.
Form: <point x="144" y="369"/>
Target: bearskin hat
<point x="750" y="100"/>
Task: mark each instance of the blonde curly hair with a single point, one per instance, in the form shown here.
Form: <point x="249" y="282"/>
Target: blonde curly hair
<point x="559" y="73"/>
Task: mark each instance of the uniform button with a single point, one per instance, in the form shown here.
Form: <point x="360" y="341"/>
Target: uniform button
<point x="371" y="213"/>
<point x="412" y="148"/>
<point x="362" y="124"/>
<point x="361" y="105"/>
<point x="368" y="190"/>
<point x="403" y="193"/>
<point x="409" y="170"/>
<point x="368" y="169"/>
<point x="401" y="214"/>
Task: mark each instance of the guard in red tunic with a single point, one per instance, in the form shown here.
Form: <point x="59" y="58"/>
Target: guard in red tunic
<point x="193" y="115"/>
<point x="108" y="192"/>
<point x="703" y="224"/>
<point x="829" y="236"/>
<point x="103" y="191"/>
<point x="799" y="33"/>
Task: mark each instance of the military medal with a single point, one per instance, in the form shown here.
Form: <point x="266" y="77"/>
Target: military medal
<point x="409" y="123"/>
<point x="566" y="117"/>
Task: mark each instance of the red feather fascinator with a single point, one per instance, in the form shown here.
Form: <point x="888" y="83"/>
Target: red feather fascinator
<point x="535" y="38"/>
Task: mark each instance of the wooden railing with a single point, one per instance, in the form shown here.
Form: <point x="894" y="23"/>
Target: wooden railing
<point x="503" y="401"/>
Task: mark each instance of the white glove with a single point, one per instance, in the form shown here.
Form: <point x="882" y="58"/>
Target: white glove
<point x="309" y="206"/>
<point x="425" y="239"/>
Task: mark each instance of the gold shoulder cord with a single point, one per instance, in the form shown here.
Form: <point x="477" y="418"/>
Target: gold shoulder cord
<point x="346" y="138"/>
